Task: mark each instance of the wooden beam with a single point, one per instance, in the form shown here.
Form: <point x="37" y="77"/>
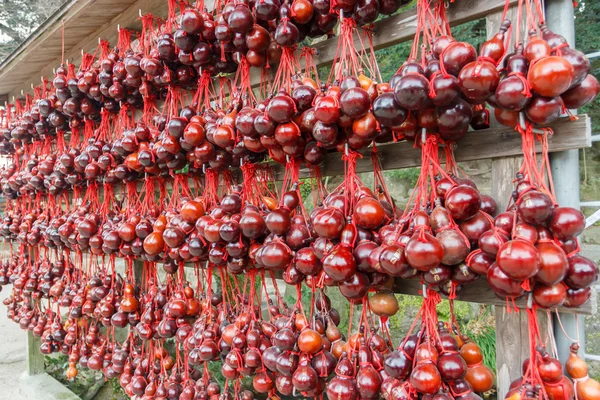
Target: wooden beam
<point x="512" y="329"/>
<point x="475" y="145"/>
<point x="512" y="345"/>
<point x="474" y="292"/>
<point x="477" y="292"/>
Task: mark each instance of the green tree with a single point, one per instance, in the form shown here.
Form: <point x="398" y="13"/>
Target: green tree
<point x="19" y="18"/>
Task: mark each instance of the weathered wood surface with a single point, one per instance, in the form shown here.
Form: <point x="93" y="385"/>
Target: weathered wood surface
<point x="477" y="292"/>
<point x="35" y="359"/>
<point x="503" y="184"/>
<point x="129" y="19"/>
<point x="512" y="342"/>
<point x="511" y="328"/>
<point x="475" y="145"/>
<point x="512" y="345"/>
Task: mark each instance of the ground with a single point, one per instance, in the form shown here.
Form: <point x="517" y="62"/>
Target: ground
<point x="12" y="354"/>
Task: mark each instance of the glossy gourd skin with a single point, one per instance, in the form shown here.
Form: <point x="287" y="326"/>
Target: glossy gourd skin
<point x="586" y="387"/>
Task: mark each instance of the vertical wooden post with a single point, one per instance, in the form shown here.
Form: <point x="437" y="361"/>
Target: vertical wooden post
<point x="512" y="328"/>
<point x="35" y="359"/>
<point x="272" y="292"/>
<point x="565" y="172"/>
<point x="138" y="270"/>
<point x="510" y="348"/>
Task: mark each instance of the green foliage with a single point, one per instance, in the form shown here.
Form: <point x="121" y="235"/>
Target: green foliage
<point x="483" y="332"/>
<point x="411" y="175"/>
<point x="307" y="186"/>
<point x="290" y="297"/>
<point x="461" y="311"/>
<point x="19" y="18"/>
<point x="391" y="58"/>
<point x="587" y="30"/>
<point x="473" y="32"/>
<point x="405" y="303"/>
<point x="214" y="369"/>
<point x="587" y="17"/>
<point x="117" y="390"/>
<point x="56" y="366"/>
<point x="487" y="342"/>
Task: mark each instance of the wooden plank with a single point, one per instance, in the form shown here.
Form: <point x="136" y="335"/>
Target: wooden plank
<point x="512" y="339"/>
<point x="509" y="344"/>
<point x="138" y="271"/>
<point x="475" y="145"/>
<point x="512" y="345"/>
<point x="129" y="18"/>
<point x="503" y="183"/>
<point x="477" y="292"/>
<point x="35" y="359"/>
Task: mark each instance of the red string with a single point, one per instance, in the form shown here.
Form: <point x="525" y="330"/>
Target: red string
<point x="204" y="92"/>
<point x="172" y="14"/>
<point x="124" y="39"/>
<point x="519" y="17"/>
<point x="145" y="38"/>
<point x="379" y="180"/>
<point x="288" y="67"/>
<point x="540" y="12"/>
<point x="346" y="56"/>
<point x="310" y="68"/>
<point x="242" y="82"/>
<point x="351" y="180"/>
<point x="367" y="53"/>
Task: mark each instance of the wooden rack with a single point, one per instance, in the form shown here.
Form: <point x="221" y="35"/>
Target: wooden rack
<point x="500" y="144"/>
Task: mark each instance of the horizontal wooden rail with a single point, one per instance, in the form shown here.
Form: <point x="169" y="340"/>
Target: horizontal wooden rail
<point x="475" y="292"/>
<point x="475" y="145"/>
<point x="480" y="292"/>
